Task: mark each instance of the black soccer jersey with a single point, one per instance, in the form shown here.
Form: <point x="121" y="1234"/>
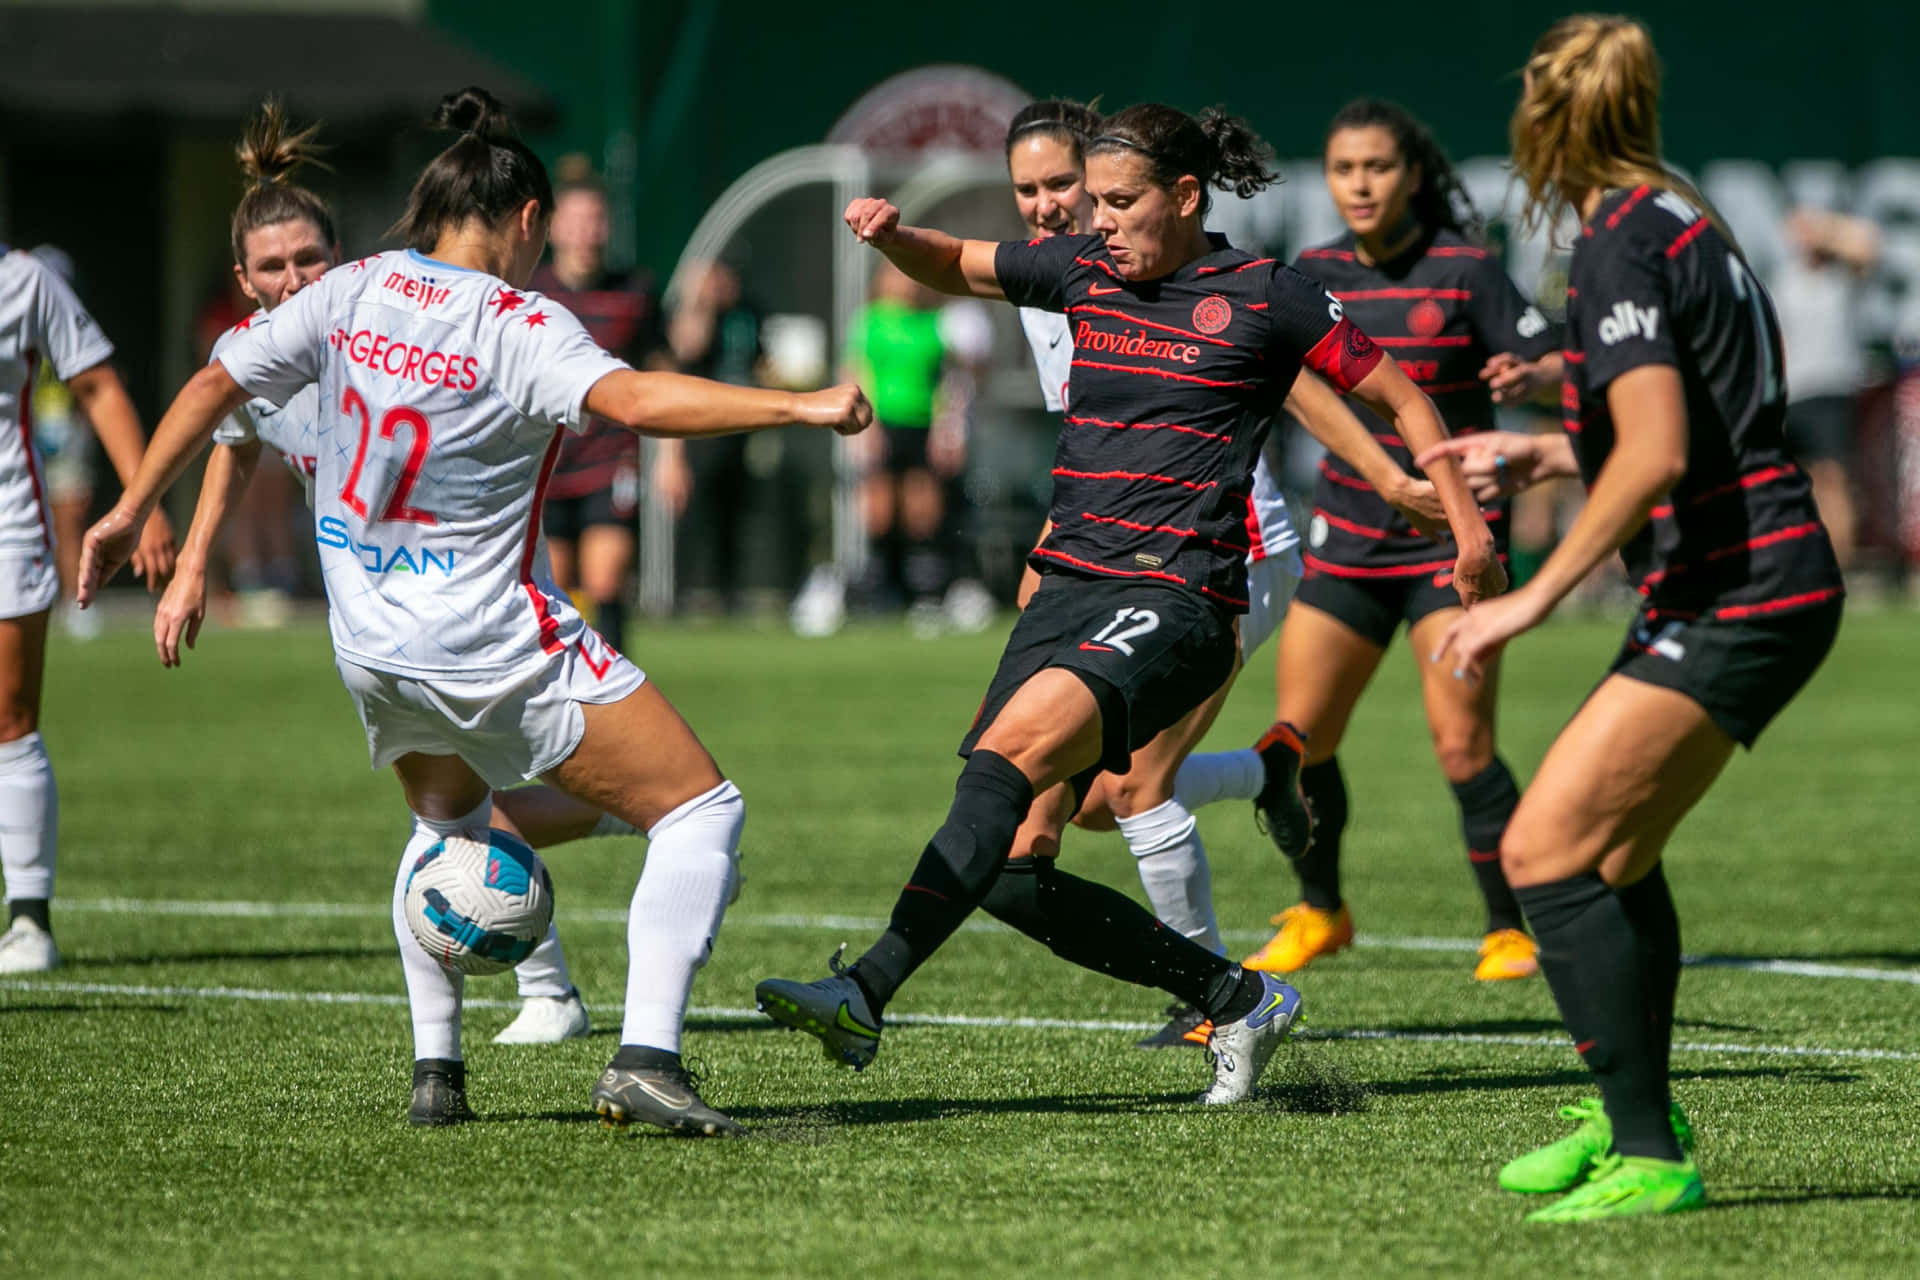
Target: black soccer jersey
<point x="1440" y="309"/>
<point x="1653" y="282"/>
<point x="1174" y="384"/>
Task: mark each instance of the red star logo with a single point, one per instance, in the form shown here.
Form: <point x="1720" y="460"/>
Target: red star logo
<point x="537" y="320"/>
<point x="505" y="301"/>
<point x="243" y="325"/>
<point x="359" y="264"/>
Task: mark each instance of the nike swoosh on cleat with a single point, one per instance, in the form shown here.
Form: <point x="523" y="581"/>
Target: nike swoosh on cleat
<point x="847" y="1022"/>
<point x="666" y="1098"/>
<point x="1267" y="1011"/>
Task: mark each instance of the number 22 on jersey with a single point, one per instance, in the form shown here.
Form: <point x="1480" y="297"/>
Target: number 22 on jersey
<point x="419" y="435"/>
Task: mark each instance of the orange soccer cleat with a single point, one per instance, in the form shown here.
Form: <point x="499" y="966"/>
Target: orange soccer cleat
<point x="1507" y="953"/>
<point x="1306" y="933"/>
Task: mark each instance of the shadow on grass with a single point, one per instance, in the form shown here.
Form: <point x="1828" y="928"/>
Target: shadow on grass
<point x="142" y="1007"/>
<point x="1745" y="1197"/>
<point x="1734" y="958"/>
<point x="223" y="957"/>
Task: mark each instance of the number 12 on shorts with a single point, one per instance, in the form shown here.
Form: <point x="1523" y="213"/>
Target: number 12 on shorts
<point x="1128" y="624"/>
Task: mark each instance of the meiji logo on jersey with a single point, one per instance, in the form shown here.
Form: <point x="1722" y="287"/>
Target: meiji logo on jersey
<point x="1628" y="321"/>
<point x="425" y="294"/>
<point x="331" y="531"/>
<point x="1531" y="324"/>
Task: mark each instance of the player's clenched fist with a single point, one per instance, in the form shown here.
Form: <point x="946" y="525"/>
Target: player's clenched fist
<point x="844" y="408"/>
<point x="873" y="220"/>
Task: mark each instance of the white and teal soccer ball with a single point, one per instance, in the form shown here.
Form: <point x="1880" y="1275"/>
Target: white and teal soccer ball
<point x="479" y="902"/>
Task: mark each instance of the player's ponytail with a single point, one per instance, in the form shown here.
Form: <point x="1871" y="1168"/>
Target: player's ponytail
<point x="1072" y="124"/>
<point x="1216" y="150"/>
<point x="269" y="153"/>
<point x="1441" y="203"/>
<point x="485" y="175"/>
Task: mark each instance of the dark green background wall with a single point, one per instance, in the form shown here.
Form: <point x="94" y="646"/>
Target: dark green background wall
<point x="709" y="87"/>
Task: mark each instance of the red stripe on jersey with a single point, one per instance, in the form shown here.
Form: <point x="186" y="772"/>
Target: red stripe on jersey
<point x="1391" y="442"/>
<point x="1340" y="522"/>
<point x="1157" y="373"/>
<point x="1455" y="251"/>
<point x="1368" y="295"/>
<point x="1574" y="357"/>
<point x="1214" y="271"/>
<point x="1572" y="425"/>
<point x="1317" y="565"/>
<point x="1752" y="480"/>
<point x="1095" y="262"/>
<point x="1755" y="543"/>
<point x="26" y="447"/>
<point x="1337" y="255"/>
<point x="1348" y="482"/>
<point x="542" y="607"/>
<point x="1219" y="595"/>
<point x="1626" y="206"/>
<point x="1456" y="340"/>
<point x="1784" y="602"/>
<point x="1256" y="544"/>
<point x="1256" y="306"/>
<point x="1176" y="530"/>
<point x="1344" y="357"/>
<point x="1196" y="486"/>
<point x="1151" y="324"/>
<point x="1687" y="237"/>
<point x="1078" y="563"/>
<point x="1143" y="426"/>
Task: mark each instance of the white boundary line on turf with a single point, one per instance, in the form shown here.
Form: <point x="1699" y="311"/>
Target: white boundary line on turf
<point x="864" y="924"/>
<point x="273" y="996"/>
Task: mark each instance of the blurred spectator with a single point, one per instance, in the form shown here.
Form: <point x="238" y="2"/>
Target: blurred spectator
<point x="1816" y="291"/>
<point x="594" y="496"/>
<point x="716" y="487"/>
<point x="896" y="353"/>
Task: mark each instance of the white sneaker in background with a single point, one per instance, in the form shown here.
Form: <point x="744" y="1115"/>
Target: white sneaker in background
<point x="27" y="948"/>
<point x="968" y="606"/>
<point x="81" y="624"/>
<point x="548" y="1020"/>
<point x="820" y="609"/>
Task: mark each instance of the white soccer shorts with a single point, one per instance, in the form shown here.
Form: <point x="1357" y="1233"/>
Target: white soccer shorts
<point x="1270" y="585"/>
<point x="29" y="583"/>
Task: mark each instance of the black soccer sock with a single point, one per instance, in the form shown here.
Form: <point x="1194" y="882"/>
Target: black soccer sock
<point x="34" y="909"/>
<point x="1325" y="792"/>
<point x="1591" y="955"/>
<point x="610" y="620"/>
<point x="1487" y="801"/>
<point x="990" y="801"/>
<point x="644" y="1057"/>
<point x="1104" y="930"/>
<point x="453" y="1069"/>
<point x="1649" y="906"/>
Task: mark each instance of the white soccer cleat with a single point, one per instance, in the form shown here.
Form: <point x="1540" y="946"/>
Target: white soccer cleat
<point x="548" y="1020"/>
<point x="1239" y="1050"/>
<point x="27" y="948"/>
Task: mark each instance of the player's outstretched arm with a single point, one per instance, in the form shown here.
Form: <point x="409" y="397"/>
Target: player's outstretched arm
<point x="103" y="398"/>
<point x="1477" y="572"/>
<point x="1325" y="415"/>
<point x="679" y="405"/>
<point x="1649" y="409"/>
<point x="951" y="265"/>
<point x="209" y="396"/>
<point x="183" y="607"/>
<point x="1499" y="463"/>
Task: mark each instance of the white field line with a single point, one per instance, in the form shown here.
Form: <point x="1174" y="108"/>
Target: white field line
<point x="867" y="924"/>
<point x="1544" y="1042"/>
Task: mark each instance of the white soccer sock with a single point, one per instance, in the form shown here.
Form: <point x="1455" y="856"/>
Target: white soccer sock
<point x="609" y="825"/>
<point x="1165" y="841"/>
<point x="1219" y="775"/>
<point x="433" y="991"/>
<point x="29" y="817"/>
<point x="677" y="906"/>
<point x="544" y="971"/>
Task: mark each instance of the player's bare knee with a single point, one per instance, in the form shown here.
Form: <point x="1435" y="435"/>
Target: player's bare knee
<point x="1462" y="756"/>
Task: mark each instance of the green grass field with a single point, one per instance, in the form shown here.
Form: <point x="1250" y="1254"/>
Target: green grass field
<point x="220" y="1090"/>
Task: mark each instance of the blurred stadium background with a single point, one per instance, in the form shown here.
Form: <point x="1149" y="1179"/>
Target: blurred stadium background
<point x="735" y="131"/>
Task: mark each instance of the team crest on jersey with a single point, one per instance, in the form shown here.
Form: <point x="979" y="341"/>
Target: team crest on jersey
<point x="1425" y="319"/>
<point x="1211" y="314"/>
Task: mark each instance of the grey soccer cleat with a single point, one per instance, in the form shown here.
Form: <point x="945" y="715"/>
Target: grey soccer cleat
<point x="1239" y="1050"/>
<point x="834" y="1009"/>
<point x="663" y="1096"/>
<point x="439" y="1094"/>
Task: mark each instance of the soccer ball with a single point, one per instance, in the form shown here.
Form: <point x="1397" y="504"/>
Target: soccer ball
<point x="479" y="904"/>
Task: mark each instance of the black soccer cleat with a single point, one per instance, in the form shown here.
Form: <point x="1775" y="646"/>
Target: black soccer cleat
<point x="665" y="1096"/>
<point x="439" y="1094"/>
<point x="1186" y="1027"/>
<point x="1280" y="809"/>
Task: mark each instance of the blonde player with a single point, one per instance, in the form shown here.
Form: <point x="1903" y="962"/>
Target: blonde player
<point x="443" y="386"/>
<point x="283" y="240"/>
<point x="41" y="319"/>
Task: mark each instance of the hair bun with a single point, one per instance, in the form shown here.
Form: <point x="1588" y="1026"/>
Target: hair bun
<point x="472" y="110"/>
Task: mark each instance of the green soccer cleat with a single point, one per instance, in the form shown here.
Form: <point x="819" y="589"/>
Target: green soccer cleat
<point x="1564" y="1165"/>
<point x="1627" y="1187"/>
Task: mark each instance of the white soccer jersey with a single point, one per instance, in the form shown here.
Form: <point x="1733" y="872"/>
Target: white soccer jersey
<point x="1270" y="529"/>
<point x="292" y="431"/>
<point x="442" y="392"/>
<point x="39" y="319"/>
